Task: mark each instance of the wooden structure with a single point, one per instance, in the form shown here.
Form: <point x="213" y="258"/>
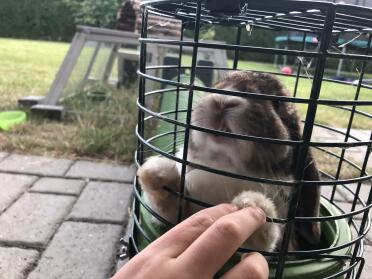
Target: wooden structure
<point x="99" y="40"/>
<point x="129" y="19"/>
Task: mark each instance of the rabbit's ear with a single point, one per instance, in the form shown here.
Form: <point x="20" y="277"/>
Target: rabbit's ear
<point x="308" y="233"/>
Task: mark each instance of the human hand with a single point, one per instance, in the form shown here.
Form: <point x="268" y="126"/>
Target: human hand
<point x="199" y="246"/>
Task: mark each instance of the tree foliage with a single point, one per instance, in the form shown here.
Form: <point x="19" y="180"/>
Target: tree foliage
<point x="259" y="38"/>
<point x="54" y="19"/>
<point x="99" y="13"/>
<point x="36" y="19"/>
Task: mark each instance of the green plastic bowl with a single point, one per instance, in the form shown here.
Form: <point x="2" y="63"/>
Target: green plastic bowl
<point x="9" y="119"/>
<point x="335" y="233"/>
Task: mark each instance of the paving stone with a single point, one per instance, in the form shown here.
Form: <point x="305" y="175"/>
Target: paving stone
<point x="59" y="186"/>
<point x="3" y="155"/>
<point x="12" y="186"/>
<point x="346" y="207"/>
<point x="35" y="165"/>
<point x="326" y="191"/>
<point x="367" y="270"/>
<point x="14" y="262"/>
<point x="369" y="238"/>
<point x="323" y="134"/>
<point x="79" y="250"/>
<point x="103" y="171"/>
<point x="363" y="193"/>
<point x="359" y="134"/>
<point x="357" y="155"/>
<point x="33" y="218"/>
<point x="103" y="201"/>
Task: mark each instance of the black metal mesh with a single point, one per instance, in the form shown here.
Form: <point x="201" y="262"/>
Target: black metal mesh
<point x="333" y="26"/>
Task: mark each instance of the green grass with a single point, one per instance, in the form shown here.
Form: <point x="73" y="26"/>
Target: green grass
<point x="27" y="68"/>
<point x="102" y="130"/>
<point x="105" y="129"/>
<point x="332" y="116"/>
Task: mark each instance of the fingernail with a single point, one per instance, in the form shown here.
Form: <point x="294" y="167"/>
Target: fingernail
<point x="259" y="213"/>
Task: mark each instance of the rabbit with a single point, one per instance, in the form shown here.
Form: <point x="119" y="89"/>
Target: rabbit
<point x="247" y="116"/>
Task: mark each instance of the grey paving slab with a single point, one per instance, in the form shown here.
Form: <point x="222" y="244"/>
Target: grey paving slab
<point x="79" y="250"/>
<point x="367" y="270"/>
<point x="103" y="201"/>
<point x="14" y="262"/>
<point x="34" y="218"/>
<point x="12" y="186"/>
<point x="103" y="171"/>
<point x="362" y="135"/>
<point x="35" y="165"/>
<point x="59" y="185"/>
<point x="3" y="155"/>
<point x="325" y="134"/>
<point x="346" y="207"/>
<point x="355" y="154"/>
<point x="326" y="191"/>
<point x="368" y="238"/>
<point x="349" y="196"/>
<point x="322" y="134"/>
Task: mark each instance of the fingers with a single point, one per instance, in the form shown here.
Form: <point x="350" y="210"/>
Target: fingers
<point x="219" y="242"/>
<point x="253" y="266"/>
<point x="174" y="242"/>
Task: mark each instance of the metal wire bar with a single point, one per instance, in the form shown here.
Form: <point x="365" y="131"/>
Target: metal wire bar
<point x="257" y="71"/>
<point x="231" y="47"/>
<point x="299" y="64"/>
<point x="263" y="15"/>
<point x="189" y="109"/>
<point x="178" y="88"/>
<point x="141" y="99"/>
<point x="238" y="39"/>
<point x="258" y="96"/>
<point x="312" y="253"/>
<point x="252" y="138"/>
<point x="361" y="76"/>
<point x="140" y="200"/>
<point x="303" y="150"/>
<point x="334" y="19"/>
<point x="245" y="177"/>
<point x="366" y="217"/>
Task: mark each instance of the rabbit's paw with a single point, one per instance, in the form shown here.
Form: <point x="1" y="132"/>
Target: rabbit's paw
<point x="267" y="237"/>
<point x="155" y="174"/>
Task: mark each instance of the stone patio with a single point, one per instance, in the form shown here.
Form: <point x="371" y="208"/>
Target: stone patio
<point x="62" y="219"/>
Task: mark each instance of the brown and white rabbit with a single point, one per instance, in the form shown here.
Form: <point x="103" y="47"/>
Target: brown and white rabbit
<point x="261" y="118"/>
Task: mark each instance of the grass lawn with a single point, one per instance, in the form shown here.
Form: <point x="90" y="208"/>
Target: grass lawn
<point x="106" y="130"/>
<point x="331" y="116"/>
<point x="103" y="130"/>
<point x="27" y="68"/>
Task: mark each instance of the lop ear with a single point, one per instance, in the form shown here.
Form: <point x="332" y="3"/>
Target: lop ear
<point x="308" y="233"/>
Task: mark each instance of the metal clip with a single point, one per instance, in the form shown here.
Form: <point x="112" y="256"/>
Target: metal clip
<point x="123" y="253"/>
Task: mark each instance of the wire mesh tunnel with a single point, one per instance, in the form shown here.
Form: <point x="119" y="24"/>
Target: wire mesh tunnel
<point x="335" y="114"/>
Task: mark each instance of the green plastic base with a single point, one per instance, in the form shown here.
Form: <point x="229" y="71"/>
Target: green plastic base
<point x="335" y="233"/>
